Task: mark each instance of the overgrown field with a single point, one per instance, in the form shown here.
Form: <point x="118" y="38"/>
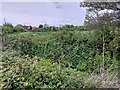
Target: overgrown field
<point x="62" y="59"/>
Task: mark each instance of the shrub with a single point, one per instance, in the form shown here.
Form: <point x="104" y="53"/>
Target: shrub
<point x="40" y="73"/>
<point x="18" y="28"/>
<point x="7" y="28"/>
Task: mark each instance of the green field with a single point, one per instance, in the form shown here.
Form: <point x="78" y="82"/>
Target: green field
<point x="56" y="49"/>
<point x="62" y="59"/>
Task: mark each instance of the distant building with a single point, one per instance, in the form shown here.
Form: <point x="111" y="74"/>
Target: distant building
<point x="27" y="28"/>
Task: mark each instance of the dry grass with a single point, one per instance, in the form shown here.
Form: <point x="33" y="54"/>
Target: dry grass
<point x="106" y="79"/>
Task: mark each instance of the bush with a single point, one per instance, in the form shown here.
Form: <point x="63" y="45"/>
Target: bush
<point x="8" y="24"/>
<point x="41" y="73"/>
<point x="67" y="60"/>
<point x="18" y="28"/>
<point x="63" y="46"/>
<point x="7" y="28"/>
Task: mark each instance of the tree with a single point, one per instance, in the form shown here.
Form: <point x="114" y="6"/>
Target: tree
<point x="40" y="26"/>
<point x="18" y="28"/>
<point x="93" y="9"/>
<point x="105" y="22"/>
<point x="7" y="28"/>
<point x="97" y="18"/>
<point x="8" y="24"/>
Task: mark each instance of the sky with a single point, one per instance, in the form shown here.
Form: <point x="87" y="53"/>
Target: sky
<point x="35" y="13"/>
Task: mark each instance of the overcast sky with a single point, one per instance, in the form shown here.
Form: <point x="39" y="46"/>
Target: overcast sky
<point x="35" y="13"/>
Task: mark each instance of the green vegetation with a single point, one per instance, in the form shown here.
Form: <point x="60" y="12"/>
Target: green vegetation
<point x="62" y="57"/>
<point x="54" y="60"/>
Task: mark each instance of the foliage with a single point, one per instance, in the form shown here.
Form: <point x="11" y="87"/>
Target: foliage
<point x="61" y="47"/>
<point x="63" y="59"/>
<point x="18" y="28"/>
<point x="8" y="24"/>
<point x="40" y="26"/>
<point x="66" y="56"/>
<point x="7" y="29"/>
<point x="95" y="7"/>
<point x="40" y="73"/>
<point x="104" y="22"/>
<point x="25" y="72"/>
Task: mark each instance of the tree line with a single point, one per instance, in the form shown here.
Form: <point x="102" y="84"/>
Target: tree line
<point x="9" y="28"/>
